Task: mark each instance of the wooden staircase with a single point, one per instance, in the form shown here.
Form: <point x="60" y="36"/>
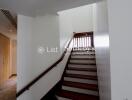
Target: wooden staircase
<point x="80" y="77"/>
<point x="79" y="80"/>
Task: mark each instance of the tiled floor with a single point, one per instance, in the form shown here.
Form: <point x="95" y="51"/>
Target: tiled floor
<point x="8" y="90"/>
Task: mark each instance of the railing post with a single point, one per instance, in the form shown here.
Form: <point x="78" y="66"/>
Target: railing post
<point x="92" y="41"/>
<point x="77" y="42"/>
<point x="83" y="40"/>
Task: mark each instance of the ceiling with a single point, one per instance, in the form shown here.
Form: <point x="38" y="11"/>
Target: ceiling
<point x="6" y="28"/>
<point x="41" y="7"/>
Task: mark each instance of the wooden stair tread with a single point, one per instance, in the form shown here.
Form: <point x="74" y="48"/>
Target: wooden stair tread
<point x="83" y="54"/>
<point x="82" y="66"/>
<point x="82" y="49"/>
<point x="82" y="63"/>
<point x="85" y="50"/>
<point x="76" y="96"/>
<point x="82" y="58"/>
<point x="81" y="85"/>
<point x="83" y="69"/>
<point x="82" y="76"/>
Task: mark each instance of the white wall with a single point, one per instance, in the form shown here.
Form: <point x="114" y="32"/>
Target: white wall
<point x="40" y="31"/>
<point x="101" y="40"/>
<point x="66" y="28"/>
<point x="80" y="18"/>
<point x="46" y="35"/>
<point x="120" y="28"/>
<point x="24" y="50"/>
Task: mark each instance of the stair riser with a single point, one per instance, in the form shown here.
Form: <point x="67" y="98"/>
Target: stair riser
<point x="81" y="76"/>
<point x="81" y="66"/>
<point x="83" y="91"/>
<point x="89" y="53"/>
<point x="80" y="80"/>
<point x="81" y="85"/>
<point x="83" y="61"/>
<point x="81" y="72"/>
<point x="82" y="69"/>
<point x="83" y="49"/>
<point x="83" y="56"/>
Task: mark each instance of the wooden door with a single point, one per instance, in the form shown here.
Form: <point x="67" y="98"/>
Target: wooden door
<point x="4" y="58"/>
<point x="13" y="57"/>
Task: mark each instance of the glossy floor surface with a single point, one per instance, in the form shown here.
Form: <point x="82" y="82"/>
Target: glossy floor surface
<point x="8" y="90"/>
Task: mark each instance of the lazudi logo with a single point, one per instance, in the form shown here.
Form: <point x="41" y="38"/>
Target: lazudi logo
<point x="42" y="50"/>
<point x="54" y="50"/>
